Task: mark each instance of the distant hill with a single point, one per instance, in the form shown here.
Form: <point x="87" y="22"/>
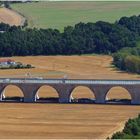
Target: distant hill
<point x="60" y="14"/>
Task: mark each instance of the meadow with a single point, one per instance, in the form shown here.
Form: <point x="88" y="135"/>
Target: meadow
<point x="61" y="14"/>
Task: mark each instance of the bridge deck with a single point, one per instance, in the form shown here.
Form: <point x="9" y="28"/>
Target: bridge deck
<point x="69" y="81"/>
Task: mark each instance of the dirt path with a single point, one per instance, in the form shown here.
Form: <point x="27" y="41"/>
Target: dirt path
<point x="10" y="17"/>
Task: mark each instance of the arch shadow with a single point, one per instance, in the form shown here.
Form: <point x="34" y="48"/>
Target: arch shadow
<point x="118" y="95"/>
<point x="12" y="93"/>
<point x="82" y="94"/>
<point x="51" y="96"/>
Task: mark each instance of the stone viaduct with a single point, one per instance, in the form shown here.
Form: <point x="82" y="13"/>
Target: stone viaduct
<point x="64" y="88"/>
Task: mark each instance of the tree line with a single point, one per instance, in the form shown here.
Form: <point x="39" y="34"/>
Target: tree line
<point x="128" y="59"/>
<point x="130" y="131"/>
<point x="83" y="38"/>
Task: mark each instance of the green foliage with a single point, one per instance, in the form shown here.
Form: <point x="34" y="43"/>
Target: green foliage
<point x="84" y="38"/>
<point x="17" y="66"/>
<point x="128" y="59"/>
<point x="130" y="131"/>
<point x="132" y="23"/>
<point x="5" y="3"/>
<point x="28" y="66"/>
<point x="132" y="64"/>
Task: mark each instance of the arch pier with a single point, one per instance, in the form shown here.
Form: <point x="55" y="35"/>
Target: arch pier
<point x="65" y="87"/>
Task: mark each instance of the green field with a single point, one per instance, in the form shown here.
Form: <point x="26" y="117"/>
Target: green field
<point x="60" y="14"/>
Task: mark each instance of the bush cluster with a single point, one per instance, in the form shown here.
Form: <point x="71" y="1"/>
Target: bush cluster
<point x="130" y="131"/>
<point x="128" y="59"/>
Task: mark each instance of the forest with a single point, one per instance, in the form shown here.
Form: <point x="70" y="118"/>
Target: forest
<point x="84" y="38"/>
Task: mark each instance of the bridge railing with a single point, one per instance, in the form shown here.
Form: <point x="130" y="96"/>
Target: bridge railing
<point x="121" y="82"/>
<point x="31" y="81"/>
<point x="69" y="81"/>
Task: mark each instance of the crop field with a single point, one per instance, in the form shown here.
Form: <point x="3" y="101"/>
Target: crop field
<point x="52" y="120"/>
<point x="61" y="14"/>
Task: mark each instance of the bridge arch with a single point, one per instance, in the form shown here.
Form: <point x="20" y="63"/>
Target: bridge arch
<point x="118" y="94"/>
<point x="12" y="92"/>
<point x="46" y="93"/>
<point x="82" y="94"/>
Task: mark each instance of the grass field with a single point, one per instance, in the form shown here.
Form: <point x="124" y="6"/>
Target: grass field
<point x="65" y="120"/>
<point x="60" y="14"/>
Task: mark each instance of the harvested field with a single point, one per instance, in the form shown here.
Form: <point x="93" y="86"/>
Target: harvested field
<point x="62" y="120"/>
<point x="19" y="120"/>
<point x="89" y="67"/>
<point x="10" y="17"/>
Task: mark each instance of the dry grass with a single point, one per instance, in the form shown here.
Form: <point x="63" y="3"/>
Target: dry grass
<point x="10" y="17"/>
<point x="62" y="120"/>
<point x="65" y="120"/>
<point x="91" y="67"/>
